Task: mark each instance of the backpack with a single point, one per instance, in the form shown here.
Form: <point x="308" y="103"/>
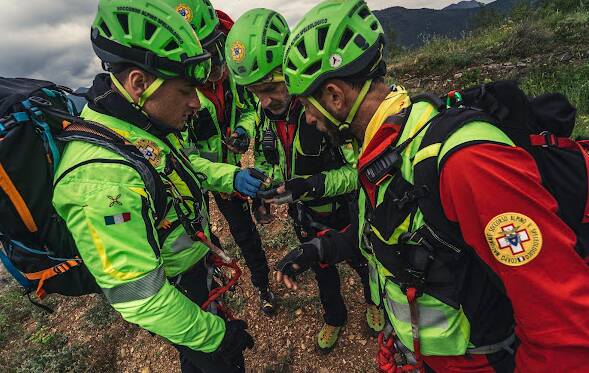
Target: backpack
<point x="36" y="120"/>
<point x="541" y="125"/>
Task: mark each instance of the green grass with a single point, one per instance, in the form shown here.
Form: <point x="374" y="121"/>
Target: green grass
<point x="15" y="310"/>
<point x="100" y="314"/>
<point x="537" y="33"/>
<point x="572" y="81"/>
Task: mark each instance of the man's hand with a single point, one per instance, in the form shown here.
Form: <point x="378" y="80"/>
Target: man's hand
<point x="245" y="183"/>
<point x="298" y="261"/>
<point x="238" y="142"/>
<point x="298" y="187"/>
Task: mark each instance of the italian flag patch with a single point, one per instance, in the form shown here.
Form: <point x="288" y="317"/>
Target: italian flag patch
<point x="117" y="219"/>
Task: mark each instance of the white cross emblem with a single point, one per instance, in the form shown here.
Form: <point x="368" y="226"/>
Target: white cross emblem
<point x="513" y="239"/>
<point x="149" y="152"/>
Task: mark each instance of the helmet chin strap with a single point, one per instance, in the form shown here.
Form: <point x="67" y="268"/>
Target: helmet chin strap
<point x="345" y="125"/>
<point x="144" y="96"/>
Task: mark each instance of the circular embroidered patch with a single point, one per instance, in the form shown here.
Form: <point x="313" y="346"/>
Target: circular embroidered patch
<point x="514" y="238"/>
<point x="237" y="51"/>
<point x="185" y="11"/>
<point x="150" y="150"/>
<point x="335" y="60"/>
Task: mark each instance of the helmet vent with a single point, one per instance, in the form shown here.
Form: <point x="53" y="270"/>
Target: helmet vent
<point x="321" y="36"/>
<point x="361" y="42"/>
<point x="171" y="46"/>
<point x="123" y="19"/>
<point x="274" y="28"/>
<point x="345" y="38"/>
<point x="149" y="30"/>
<point x="269" y="56"/>
<point x="374" y="26"/>
<point x="302" y="49"/>
<point x="364" y="12"/>
<point x="202" y="23"/>
<point x="291" y="65"/>
<point x="105" y="29"/>
<point x="255" y="66"/>
<point x="312" y="69"/>
<point x="271" y="42"/>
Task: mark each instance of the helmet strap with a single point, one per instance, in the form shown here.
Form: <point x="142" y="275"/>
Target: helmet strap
<point x="150" y="91"/>
<point x="353" y="111"/>
<point x="144" y="96"/>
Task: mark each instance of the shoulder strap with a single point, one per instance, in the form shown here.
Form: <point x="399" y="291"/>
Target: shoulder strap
<point x="99" y="135"/>
<point x="436" y="101"/>
<point x="426" y="171"/>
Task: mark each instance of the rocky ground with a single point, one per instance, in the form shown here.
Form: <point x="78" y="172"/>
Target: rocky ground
<point x="85" y="334"/>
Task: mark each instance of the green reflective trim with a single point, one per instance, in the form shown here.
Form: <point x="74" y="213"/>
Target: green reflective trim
<point x="428" y="317"/>
<point x="474" y="131"/>
<point x="141" y="288"/>
<point x="429" y="151"/>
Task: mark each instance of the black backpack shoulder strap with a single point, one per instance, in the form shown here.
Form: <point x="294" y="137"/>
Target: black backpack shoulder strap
<point x="99" y="135"/>
<point x="427" y="173"/>
<point x="436" y="101"/>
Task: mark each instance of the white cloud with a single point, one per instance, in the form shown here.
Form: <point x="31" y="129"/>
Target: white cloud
<point x="51" y="39"/>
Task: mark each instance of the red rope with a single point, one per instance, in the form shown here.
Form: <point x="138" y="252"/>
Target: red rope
<point x="217" y="292"/>
<point x="385" y="358"/>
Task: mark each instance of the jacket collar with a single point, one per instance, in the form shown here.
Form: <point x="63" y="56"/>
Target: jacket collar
<point x="103" y="99"/>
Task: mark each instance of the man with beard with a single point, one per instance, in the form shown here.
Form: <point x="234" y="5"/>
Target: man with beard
<point x="319" y="179"/>
<point x="477" y="270"/>
<point x="221" y="134"/>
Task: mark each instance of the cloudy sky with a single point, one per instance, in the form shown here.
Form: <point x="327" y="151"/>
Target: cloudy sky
<point x="50" y="39"/>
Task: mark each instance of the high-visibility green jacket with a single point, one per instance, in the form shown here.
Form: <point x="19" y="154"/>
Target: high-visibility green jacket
<point x="310" y="154"/>
<point x="225" y="107"/>
<point x="444" y="326"/>
<point x="110" y="215"/>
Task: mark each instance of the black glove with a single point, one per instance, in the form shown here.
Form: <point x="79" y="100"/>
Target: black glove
<point x="304" y="256"/>
<point x="241" y="142"/>
<point x="298" y="187"/>
<point x="236" y="340"/>
<point x="260" y="216"/>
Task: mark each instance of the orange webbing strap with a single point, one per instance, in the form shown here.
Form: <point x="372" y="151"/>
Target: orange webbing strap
<point x="17" y="200"/>
<point x="46" y="274"/>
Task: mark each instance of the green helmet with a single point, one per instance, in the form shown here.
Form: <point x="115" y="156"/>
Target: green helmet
<point x="255" y="45"/>
<point x="202" y="17"/>
<point x="337" y="38"/>
<point x="150" y="35"/>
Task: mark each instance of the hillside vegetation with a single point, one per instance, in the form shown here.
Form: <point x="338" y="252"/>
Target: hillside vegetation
<point x="547" y="49"/>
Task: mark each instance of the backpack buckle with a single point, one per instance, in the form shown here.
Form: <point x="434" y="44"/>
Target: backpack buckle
<point x="550" y="139"/>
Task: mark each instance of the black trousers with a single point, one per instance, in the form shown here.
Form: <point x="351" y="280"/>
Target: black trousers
<point x="334" y="309"/>
<point x="246" y="236"/>
<point x="193" y="284"/>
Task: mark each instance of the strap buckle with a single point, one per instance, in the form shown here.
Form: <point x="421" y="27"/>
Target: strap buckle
<point x="550" y="139"/>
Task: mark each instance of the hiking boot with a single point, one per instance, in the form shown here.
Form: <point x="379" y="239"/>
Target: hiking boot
<point x="374" y="319"/>
<point x="327" y="337"/>
<point x="267" y="302"/>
